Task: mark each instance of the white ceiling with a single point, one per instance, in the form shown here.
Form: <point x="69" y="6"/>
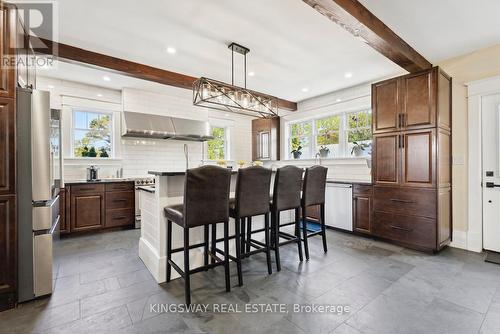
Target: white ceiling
<point x="292" y="46"/>
<point x="441" y="29"/>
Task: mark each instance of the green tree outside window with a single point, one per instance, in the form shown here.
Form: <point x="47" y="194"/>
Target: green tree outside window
<point x="217" y="146"/>
<point x="92" y="133"/>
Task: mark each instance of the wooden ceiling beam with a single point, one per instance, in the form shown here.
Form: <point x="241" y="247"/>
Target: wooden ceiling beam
<point x="359" y="21"/>
<point x="92" y="59"/>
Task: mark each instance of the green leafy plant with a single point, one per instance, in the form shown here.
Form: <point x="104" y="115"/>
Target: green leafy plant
<point x="324" y="151"/>
<point x="84" y="152"/>
<point x="296" y="148"/>
<point x="358" y="148"/>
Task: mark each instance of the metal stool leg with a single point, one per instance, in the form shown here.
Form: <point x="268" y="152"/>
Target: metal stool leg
<point x="297" y="233"/>
<point x="187" y="279"/>
<point x="226" y="255"/>
<point x="276" y="229"/>
<point x="237" y="236"/>
<point x="169" y="249"/>
<point x="323" y="227"/>
<point x="304" y="231"/>
<point x="268" y="243"/>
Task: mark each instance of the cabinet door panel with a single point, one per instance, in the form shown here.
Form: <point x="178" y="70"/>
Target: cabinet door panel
<point x="386" y="157"/>
<point x="362" y="212"/>
<point x="8" y="249"/>
<point x="419" y="100"/>
<point x="7" y="42"/>
<point x="7" y="147"/>
<point x="385" y="104"/>
<point x="87" y="212"/>
<point x="418" y="158"/>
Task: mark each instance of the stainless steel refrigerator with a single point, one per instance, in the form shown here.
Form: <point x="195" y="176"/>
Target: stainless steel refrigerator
<point x="39" y="178"/>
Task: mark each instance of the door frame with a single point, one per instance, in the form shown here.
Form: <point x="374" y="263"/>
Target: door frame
<point x="476" y="90"/>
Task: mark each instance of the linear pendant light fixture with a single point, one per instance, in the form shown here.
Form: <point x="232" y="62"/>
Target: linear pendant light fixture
<point x="219" y="95"/>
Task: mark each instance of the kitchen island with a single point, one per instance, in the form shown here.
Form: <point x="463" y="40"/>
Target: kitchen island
<point x="169" y="190"/>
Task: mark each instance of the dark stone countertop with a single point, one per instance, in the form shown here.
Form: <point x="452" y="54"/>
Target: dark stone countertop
<point x="97" y="182"/>
<point x="163" y="173"/>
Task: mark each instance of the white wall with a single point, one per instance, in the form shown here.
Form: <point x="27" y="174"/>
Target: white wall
<point x="350" y="99"/>
<point x="137" y="156"/>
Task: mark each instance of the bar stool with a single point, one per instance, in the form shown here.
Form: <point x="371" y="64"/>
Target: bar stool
<point x="252" y="199"/>
<point x="286" y="196"/>
<point x="206" y="201"/>
<point x="313" y="193"/>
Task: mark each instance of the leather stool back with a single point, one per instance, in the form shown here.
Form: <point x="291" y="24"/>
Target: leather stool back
<point x="287" y="187"/>
<point x="252" y="191"/>
<point x="206" y="195"/>
<point x="313" y="191"/>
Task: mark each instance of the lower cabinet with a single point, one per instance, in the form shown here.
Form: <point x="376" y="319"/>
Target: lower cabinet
<point x="362" y="208"/>
<point x="97" y="206"/>
<point x="7" y="251"/>
<point x="87" y="212"/>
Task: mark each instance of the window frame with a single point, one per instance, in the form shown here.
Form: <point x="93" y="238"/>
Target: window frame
<point x="343" y="133"/>
<point x="73" y="129"/>
<point x="226" y="143"/>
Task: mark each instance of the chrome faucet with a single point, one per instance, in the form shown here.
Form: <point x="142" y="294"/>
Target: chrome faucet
<point x="186" y="155"/>
<point x="317" y="159"/>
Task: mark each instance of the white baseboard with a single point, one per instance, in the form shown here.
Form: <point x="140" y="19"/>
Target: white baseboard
<point x="459" y="240"/>
<point x="475" y="241"/>
<point x="156" y="265"/>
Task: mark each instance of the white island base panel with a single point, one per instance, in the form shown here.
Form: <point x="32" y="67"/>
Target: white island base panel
<point x="152" y="245"/>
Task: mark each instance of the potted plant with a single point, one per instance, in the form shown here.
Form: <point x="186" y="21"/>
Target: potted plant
<point x="296" y="148"/>
<point x="103" y="153"/>
<point x="92" y="152"/>
<point x="358" y="148"/>
<point x="324" y="151"/>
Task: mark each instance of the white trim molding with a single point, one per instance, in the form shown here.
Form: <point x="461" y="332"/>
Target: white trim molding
<point x="475" y="92"/>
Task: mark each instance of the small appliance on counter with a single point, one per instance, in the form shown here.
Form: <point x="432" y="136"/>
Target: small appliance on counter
<point x="92" y="173"/>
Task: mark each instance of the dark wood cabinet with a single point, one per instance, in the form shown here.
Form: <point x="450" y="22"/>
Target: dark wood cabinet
<point x="386" y="106"/>
<point x="63" y="225"/>
<point x="362" y="208"/>
<point x="386" y="157"/>
<point x="8" y="251"/>
<point x="87" y="211"/>
<point x="411" y="169"/>
<point x="91" y="206"/>
<point x="7" y="146"/>
<point x="266" y="139"/>
<point x="8" y="21"/>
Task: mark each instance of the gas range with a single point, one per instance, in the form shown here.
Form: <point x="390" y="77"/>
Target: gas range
<point x="143" y="181"/>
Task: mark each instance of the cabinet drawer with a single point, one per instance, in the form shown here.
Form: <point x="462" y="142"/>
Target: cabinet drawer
<point x="362" y="190"/>
<point x="406" y="201"/>
<point x="120" y="217"/>
<point x="417" y="231"/>
<point x="87" y="188"/>
<point x="120" y="200"/>
<point x="120" y="186"/>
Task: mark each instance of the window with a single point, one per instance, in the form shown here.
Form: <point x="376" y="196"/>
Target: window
<point x="341" y="135"/>
<point x="359" y="132"/>
<point x="217" y="147"/>
<point x="92" y="134"/>
<point x="300" y="139"/>
<point x="328" y="136"/>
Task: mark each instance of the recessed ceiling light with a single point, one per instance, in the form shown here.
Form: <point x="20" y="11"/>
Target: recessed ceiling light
<point x="348" y="75"/>
<point x="106" y="78"/>
<point x="251" y="74"/>
<point x="339" y="100"/>
<point x="171" y="50"/>
<point x="99" y="95"/>
<point x="51" y="86"/>
<point x="227" y="115"/>
<point x="305" y="89"/>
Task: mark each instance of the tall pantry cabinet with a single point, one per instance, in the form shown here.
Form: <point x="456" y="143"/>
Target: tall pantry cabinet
<point x="411" y="168"/>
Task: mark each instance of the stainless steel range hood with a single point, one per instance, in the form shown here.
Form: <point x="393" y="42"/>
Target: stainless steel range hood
<point x="139" y="125"/>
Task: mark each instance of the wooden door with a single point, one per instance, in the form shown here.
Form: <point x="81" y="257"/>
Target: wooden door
<point x="418" y="162"/>
<point x="419" y="100"/>
<point x="386" y="159"/>
<point x="7" y="147"/>
<point x="7" y="251"/>
<point x="385" y="106"/>
<point x="87" y="212"/>
<point x="362" y="213"/>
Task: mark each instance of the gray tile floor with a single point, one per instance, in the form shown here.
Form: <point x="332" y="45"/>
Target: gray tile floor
<point x="103" y="287"/>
